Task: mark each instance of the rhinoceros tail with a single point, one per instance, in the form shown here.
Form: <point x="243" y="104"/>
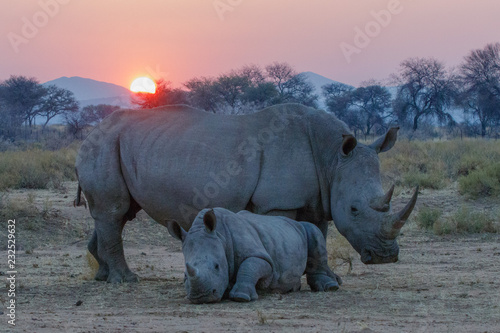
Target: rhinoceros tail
<point x="79" y="201"/>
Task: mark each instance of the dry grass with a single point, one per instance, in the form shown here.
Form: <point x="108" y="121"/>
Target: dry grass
<point x="91" y="267"/>
<point x="436" y="164"/>
<point x="37" y="169"/>
<point x="340" y="252"/>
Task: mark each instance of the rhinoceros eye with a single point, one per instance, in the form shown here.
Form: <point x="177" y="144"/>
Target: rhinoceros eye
<point x="354" y="211"/>
<point x="217" y="266"/>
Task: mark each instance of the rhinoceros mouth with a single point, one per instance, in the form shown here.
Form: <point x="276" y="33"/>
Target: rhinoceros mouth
<point x="209" y="297"/>
<point x="369" y="257"/>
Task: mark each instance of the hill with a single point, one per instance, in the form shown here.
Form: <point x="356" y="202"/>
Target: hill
<point x="318" y="81"/>
<point x="88" y="91"/>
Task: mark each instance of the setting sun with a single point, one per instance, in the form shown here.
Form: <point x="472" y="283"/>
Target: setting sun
<point x="143" y="84"/>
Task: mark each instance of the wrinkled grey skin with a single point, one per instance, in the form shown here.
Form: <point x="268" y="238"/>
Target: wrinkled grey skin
<point x="230" y="254"/>
<point x="286" y="160"/>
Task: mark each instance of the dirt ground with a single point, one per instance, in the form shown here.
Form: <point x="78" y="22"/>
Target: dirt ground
<point x="441" y="283"/>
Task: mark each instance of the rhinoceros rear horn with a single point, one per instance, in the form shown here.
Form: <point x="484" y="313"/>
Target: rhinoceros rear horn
<point x="382" y="204"/>
<point x="191" y="271"/>
<point x="397" y="221"/>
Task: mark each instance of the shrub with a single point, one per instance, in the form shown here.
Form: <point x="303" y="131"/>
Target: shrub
<point x="427" y="217"/>
<point x="466" y="220"/>
<point x="443" y="227"/>
<point x="482" y="182"/>
<point x="470" y="221"/>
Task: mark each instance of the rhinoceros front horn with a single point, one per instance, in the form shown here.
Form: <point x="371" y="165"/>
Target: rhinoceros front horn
<point x="192" y="272"/>
<point x="396" y="222"/>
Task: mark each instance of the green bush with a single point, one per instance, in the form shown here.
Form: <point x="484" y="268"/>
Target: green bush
<point x="466" y="221"/>
<point x="443" y="227"/>
<point x="470" y="221"/>
<point x="427" y="217"/>
<point x="482" y="182"/>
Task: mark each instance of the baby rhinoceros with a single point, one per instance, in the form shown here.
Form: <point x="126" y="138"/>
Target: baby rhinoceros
<point x="232" y="254"/>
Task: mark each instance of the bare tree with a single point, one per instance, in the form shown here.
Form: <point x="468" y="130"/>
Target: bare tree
<point x="373" y="103"/>
<point x="279" y="73"/>
<point x="202" y="94"/>
<point x="230" y="89"/>
<point x="252" y="72"/>
<point x="76" y="122"/>
<point x="360" y="108"/>
<point x="94" y="114"/>
<point x="57" y="101"/>
<point x="480" y="78"/>
<point x="426" y="89"/>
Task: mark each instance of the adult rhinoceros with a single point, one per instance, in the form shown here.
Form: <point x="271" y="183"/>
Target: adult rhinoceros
<point x="286" y="160"/>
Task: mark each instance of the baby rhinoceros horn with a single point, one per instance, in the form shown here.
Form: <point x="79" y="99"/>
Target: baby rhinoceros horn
<point x="395" y="222"/>
<point x="192" y="272"/>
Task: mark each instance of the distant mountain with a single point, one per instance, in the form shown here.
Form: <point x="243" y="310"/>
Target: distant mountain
<point x="319" y="81"/>
<point x="88" y="91"/>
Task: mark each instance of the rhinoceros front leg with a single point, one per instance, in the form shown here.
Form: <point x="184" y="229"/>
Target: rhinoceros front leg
<point x="249" y="273"/>
<point x="110" y="252"/>
<point x="319" y="276"/>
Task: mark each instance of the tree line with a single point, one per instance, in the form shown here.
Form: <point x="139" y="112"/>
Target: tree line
<point x="23" y="100"/>
<point x="240" y="91"/>
<point x="424" y="93"/>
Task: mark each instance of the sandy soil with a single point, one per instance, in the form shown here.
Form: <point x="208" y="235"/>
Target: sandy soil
<point x="440" y="284"/>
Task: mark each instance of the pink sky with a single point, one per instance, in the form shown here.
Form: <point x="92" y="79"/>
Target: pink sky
<point x="116" y="41"/>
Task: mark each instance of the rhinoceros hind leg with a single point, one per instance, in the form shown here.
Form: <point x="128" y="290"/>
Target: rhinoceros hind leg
<point x="110" y="250"/>
<point x="103" y="272"/>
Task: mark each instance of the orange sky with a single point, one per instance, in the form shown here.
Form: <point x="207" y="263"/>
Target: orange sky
<point x="116" y="41"/>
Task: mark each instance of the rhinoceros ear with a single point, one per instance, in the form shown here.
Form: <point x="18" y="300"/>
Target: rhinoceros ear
<point x="176" y="231"/>
<point x="210" y="220"/>
<point x="349" y="142"/>
<point x="387" y="141"/>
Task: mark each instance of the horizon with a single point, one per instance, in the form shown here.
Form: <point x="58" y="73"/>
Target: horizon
<point x="346" y="42"/>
